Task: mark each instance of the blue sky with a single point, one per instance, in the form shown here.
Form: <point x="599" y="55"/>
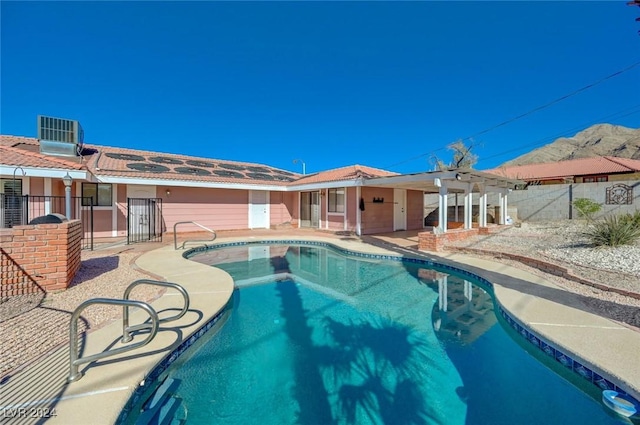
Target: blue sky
<point x="382" y="84"/>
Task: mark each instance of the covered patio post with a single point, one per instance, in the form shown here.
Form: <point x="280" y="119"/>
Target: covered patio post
<point x="503" y="207"/>
<point x="442" y="208"/>
<point x="468" y="209"/>
<point x="482" y="218"/>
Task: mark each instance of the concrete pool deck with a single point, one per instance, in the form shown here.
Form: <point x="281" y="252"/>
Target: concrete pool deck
<point x="107" y="384"/>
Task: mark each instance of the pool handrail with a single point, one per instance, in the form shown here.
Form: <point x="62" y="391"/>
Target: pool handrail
<point x="175" y="237"/>
<point x="74" y="358"/>
<point x="126" y="329"/>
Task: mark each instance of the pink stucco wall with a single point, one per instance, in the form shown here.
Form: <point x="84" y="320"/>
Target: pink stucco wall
<point x="282" y="207"/>
<point x="336" y="221"/>
<point x="36" y="186"/>
<point x="121" y="214"/>
<point x="415" y="209"/>
<point x="377" y="217"/>
<point x="218" y="209"/>
<point x="352" y="203"/>
<point x="102" y="227"/>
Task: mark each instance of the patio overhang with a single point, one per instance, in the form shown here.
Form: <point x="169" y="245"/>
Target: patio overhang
<point x="459" y="180"/>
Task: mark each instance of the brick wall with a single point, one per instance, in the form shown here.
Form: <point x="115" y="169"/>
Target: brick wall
<point x="40" y="257"/>
<point x="430" y="241"/>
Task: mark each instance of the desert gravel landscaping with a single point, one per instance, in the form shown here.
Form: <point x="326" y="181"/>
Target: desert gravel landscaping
<point x="38" y="325"/>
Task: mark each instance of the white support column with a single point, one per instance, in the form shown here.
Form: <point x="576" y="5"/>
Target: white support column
<point x="114" y="210"/>
<point x="503" y="209"/>
<point x="482" y="219"/>
<point x="442" y="209"/>
<point x="468" y="209"/>
<point x="499" y="219"/>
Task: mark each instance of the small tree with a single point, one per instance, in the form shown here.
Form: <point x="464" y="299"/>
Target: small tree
<point x="462" y="156"/>
<point x="586" y="207"/>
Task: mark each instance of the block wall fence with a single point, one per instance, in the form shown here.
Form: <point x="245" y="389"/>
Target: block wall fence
<point x="554" y="201"/>
<point x="40" y="257"/>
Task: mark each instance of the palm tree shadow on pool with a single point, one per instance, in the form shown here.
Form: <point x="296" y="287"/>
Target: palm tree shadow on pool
<point x="369" y="370"/>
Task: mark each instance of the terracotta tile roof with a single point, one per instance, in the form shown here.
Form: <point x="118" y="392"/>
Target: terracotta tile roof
<point x="120" y="162"/>
<point x="25" y="152"/>
<point x="107" y="161"/>
<point x="138" y="164"/>
<point x="570" y="168"/>
<point x="345" y="173"/>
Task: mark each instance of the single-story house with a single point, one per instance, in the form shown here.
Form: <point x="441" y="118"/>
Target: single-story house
<point x="133" y="191"/>
<point x="582" y="170"/>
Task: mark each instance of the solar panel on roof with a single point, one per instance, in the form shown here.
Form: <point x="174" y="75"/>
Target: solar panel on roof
<point x="286" y="173"/>
<point x="165" y="160"/>
<point x="196" y="163"/>
<point x="192" y="171"/>
<point x="147" y="167"/>
<point x="231" y="174"/>
<point x="124" y="156"/>
<point x="258" y="169"/>
<point x="232" y="166"/>
<point x="261" y="176"/>
<point x="283" y="178"/>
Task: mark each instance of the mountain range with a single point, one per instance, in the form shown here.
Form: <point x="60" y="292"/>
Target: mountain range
<point x="597" y="140"/>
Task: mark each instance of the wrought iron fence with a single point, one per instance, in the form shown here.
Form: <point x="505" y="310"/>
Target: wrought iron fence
<point x="144" y="220"/>
<point x="20" y="210"/>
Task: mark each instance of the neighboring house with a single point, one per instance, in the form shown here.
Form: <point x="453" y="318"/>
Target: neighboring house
<point x="142" y="191"/>
<point x="583" y="170"/>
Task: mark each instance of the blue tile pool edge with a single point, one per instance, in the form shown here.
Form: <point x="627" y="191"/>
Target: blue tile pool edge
<point x="569" y="360"/>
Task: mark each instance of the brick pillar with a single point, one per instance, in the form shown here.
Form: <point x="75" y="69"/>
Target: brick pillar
<point x="46" y="254"/>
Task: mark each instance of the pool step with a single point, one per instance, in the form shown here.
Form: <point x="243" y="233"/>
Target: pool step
<point x="161" y="407"/>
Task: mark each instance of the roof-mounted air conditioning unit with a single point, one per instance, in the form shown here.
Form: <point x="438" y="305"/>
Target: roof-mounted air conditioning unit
<point x="59" y="136"/>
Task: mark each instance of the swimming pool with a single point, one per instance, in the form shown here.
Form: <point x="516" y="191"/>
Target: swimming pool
<point x="316" y="337"/>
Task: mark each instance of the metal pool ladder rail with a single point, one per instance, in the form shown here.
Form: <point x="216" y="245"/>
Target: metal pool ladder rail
<point x="75" y="360"/>
<point x="175" y="238"/>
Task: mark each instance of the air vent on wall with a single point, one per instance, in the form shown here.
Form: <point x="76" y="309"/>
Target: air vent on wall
<point x="261" y="176"/>
<point x="124" y="156"/>
<point x="258" y="169"/>
<point x="230" y="174"/>
<point x="145" y="166"/>
<point x="200" y="163"/>
<point x="165" y="160"/>
<point x="232" y="167"/>
<point x="192" y="171"/>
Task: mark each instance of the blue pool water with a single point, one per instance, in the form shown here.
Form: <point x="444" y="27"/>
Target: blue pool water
<point x="314" y="337"/>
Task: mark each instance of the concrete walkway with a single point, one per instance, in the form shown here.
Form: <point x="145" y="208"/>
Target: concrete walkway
<point x="99" y="396"/>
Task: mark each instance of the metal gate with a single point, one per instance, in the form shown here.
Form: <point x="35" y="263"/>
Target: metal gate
<point x="144" y="220"/>
<point x="19" y="210"/>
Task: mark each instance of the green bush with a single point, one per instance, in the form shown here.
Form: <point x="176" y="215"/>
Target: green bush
<point x="586" y="207"/>
<point x="634" y="218"/>
<point x="614" y="231"/>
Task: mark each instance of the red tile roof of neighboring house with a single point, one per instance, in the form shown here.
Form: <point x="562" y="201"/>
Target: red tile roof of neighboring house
<point x="570" y="168"/>
<point x="25" y="152"/>
<point x="345" y="173"/>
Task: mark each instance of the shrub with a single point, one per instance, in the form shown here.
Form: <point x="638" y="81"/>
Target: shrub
<point x="586" y="207"/>
<point x="613" y="231"/>
<point x="634" y="218"/>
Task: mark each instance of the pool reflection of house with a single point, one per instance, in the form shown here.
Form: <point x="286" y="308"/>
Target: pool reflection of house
<point x="132" y="191"/>
<point x="464" y="311"/>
